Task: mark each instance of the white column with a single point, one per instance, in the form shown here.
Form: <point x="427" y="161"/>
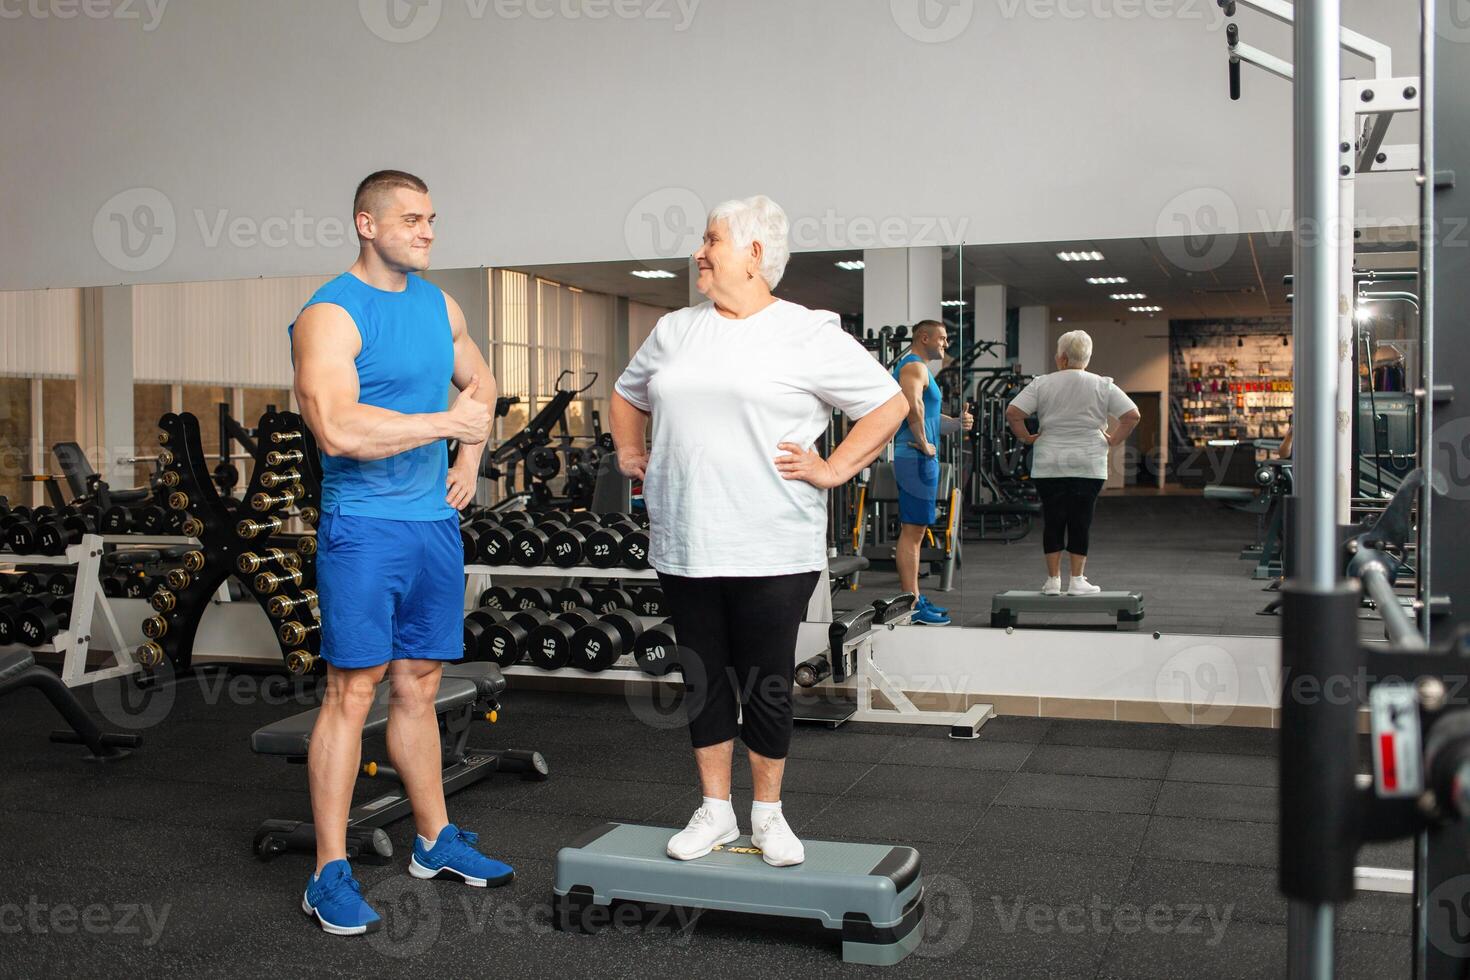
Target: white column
<point x="105" y="382"/>
<point x="902" y="285"/>
<point x="1034" y="351"/>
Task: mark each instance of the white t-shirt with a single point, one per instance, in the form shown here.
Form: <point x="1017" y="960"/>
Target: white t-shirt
<point x="724" y="393"/>
<point x="1072" y="409"/>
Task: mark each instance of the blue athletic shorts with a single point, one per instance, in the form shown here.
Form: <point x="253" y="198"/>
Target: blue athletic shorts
<point x="917" y="476"/>
<point x="389" y="590"/>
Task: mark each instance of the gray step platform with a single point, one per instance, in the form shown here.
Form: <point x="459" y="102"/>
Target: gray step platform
<point x="873" y="893"/>
<point x="1125" y="607"/>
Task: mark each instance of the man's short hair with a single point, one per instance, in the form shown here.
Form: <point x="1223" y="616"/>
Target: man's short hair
<point x="377" y="186"/>
<point x="924" y="326"/>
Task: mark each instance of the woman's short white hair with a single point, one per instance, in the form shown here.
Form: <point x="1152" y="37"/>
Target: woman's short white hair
<point x="1076" y="347"/>
<point x="757" y="219"/>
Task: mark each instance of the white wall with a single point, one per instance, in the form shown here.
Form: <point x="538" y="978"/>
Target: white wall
<point x="222" y="140"/>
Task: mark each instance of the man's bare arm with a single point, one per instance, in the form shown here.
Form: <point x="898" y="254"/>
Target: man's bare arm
<point x="912" y="380"/>
<point x="325" y="343"/>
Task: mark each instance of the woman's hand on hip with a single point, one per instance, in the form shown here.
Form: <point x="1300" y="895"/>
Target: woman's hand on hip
<point x="806" y="464"/>
<point x="632" y="463"/>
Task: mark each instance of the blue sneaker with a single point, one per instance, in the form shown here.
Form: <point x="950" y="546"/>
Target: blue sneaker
<point x="942" y="610"/>
<point x="927" y="615"/>
<point x="334" y="899"/>
<point x="454" y="856"/>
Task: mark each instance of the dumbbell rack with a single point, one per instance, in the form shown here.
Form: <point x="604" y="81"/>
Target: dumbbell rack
<point x="481" y="577"/>
<point x="89" y="604"/>
<point x="219" y="529"/>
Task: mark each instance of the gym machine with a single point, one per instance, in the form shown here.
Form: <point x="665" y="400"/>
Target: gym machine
<point x="1413" y="685"/>
<point x="530" y="460"/>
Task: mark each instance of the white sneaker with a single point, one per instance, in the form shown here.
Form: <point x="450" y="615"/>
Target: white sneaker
<point x="704" y="832"/>
<point x="1080" y="586"/>
<point x="1052" y="586"/>
<point x="779" y="846"/>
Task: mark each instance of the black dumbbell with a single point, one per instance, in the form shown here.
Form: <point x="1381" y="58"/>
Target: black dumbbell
<point x="634" y="549"/>
<point x="514" y="519"/>
<point x="648" y="600"/>
<point x="150" y="519"/>
<point x="528" y="546"/>
<point x="60" y="583"/>
<point x="605" y="545"/>
<point x="599" y="644"/>
<point x="10" y="611"/>
<point x="20" y="582"/>
<point x="529" y="597"/>
<point x="41" y="619"/>
<point x="491" y="635"/>
<point x="116" y="519"/>
<point x="569" y="598"/>
<point x="605" y="600"/>
<point x="550" y="645"/>
<point x="497" y="597"/>
<point x="656" y="650"/>
<point x="554" y="516"/>
<point x="57" y="532"/>
<point x="567" y="547"/>
<point x="20" y="533"/>
<point x="492" y="543"/>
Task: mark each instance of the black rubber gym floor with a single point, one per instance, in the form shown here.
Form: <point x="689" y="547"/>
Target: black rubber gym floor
<point x="1181" y="551"/>
<point x="1050" y="848"/>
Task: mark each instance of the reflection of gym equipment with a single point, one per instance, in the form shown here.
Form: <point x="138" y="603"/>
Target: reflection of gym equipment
<point x="1000" y="501"/>
<point x="878" y="524"/>
<point x="529" y="461"/>
<point x="19" y="670"/>
<point x="467" y="693"/>
<point x="1125" y="607"/>
<point x="872" y="894"/>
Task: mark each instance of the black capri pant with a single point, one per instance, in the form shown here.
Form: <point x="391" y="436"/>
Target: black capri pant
<point x="1067" y="503"/>
<point x="737" y="648"/>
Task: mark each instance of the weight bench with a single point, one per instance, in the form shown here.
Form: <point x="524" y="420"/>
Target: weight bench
<point x="18" y="670"/>
<point x="467" y="692"/>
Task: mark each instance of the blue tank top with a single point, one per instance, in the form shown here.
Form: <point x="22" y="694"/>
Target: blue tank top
<point x="901" y="441"/>
<point x="406" y="365"/>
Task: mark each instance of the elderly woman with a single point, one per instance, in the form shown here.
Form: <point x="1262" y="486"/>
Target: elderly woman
<point x="1070" y="462"/>
<point x="739" y="389"/>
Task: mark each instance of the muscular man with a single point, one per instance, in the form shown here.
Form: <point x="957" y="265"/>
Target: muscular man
<point x="375" y="351"/>
<point x="915" y="458"/>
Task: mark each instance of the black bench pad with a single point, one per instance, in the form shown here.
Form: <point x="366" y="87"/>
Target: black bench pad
<point x="460" y="685"/>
